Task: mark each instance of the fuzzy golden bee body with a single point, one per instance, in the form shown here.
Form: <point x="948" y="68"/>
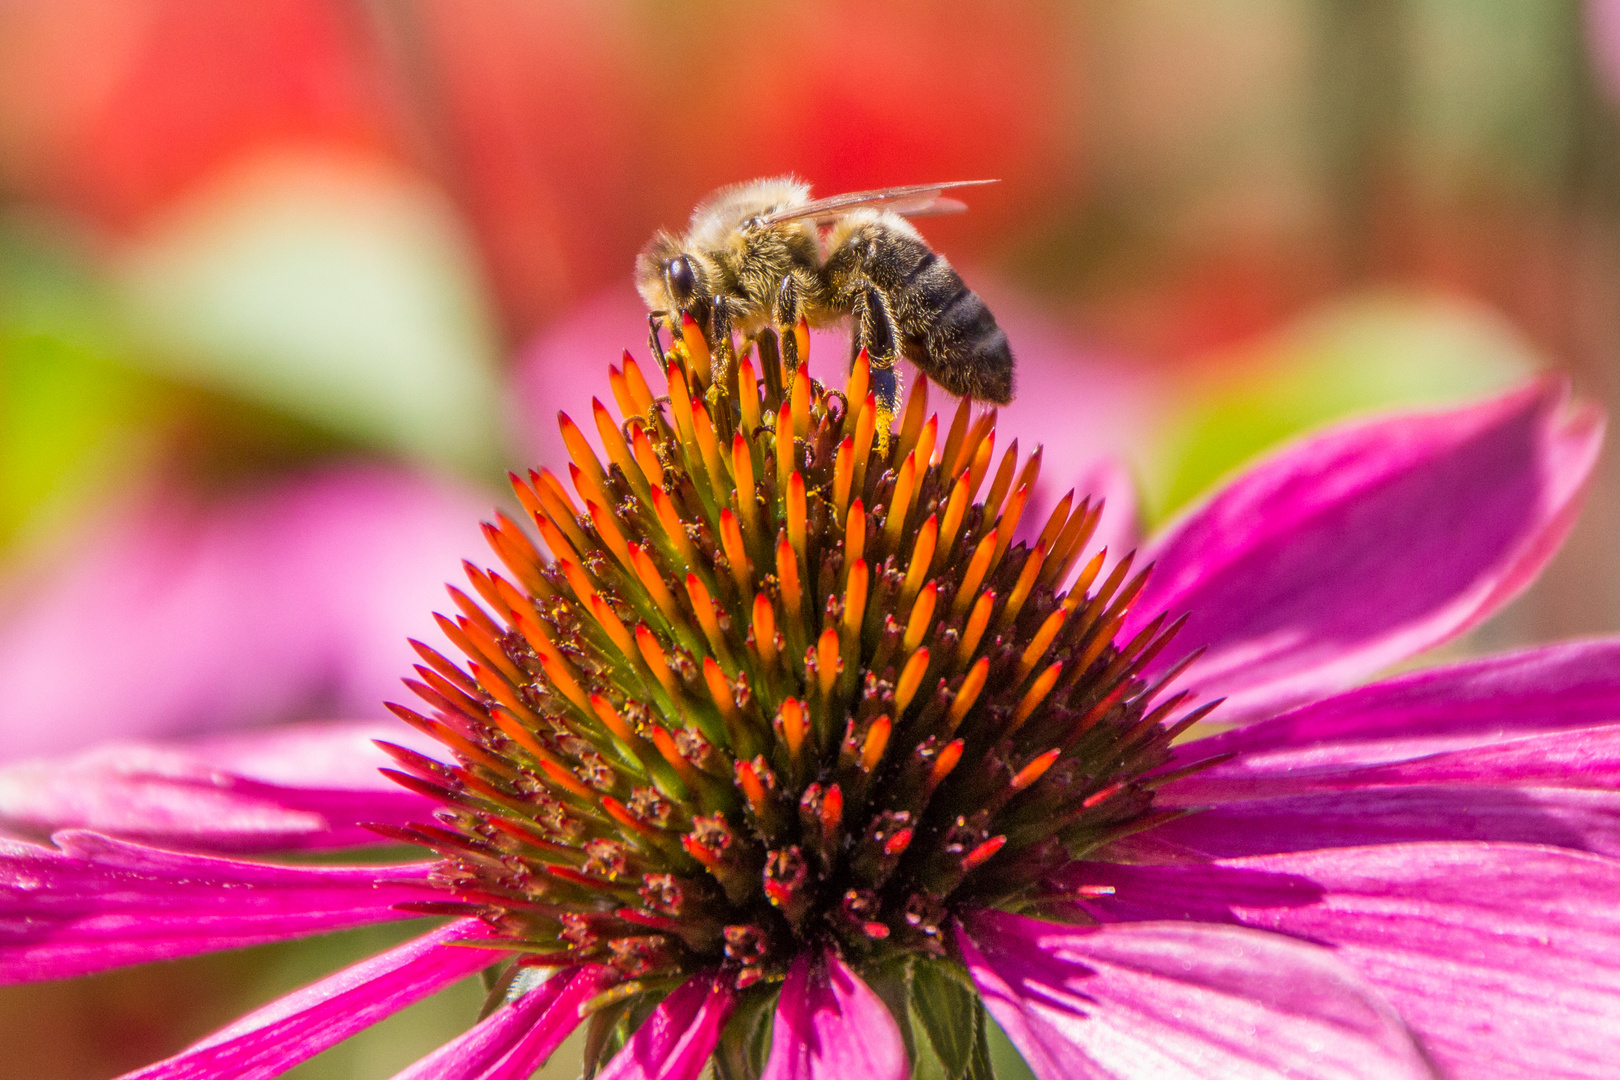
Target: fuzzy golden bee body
<point x="765" y="253"/>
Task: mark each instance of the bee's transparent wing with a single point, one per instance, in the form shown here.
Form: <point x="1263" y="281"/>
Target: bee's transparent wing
<point x="916" y="200"/>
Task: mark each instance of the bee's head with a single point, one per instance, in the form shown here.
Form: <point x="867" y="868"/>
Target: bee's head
<point x="670" y="279"/>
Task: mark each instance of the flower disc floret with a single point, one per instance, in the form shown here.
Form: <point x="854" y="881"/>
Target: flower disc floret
<point x="788" y="682"/>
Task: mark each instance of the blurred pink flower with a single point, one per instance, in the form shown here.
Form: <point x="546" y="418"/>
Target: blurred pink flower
<point x="1409" y="879"/>
<point x="289" y="602"/>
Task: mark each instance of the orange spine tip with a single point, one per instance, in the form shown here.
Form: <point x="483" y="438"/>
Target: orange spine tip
<point x="1096" y="798"/>
<point x="900" y="503"/>
<point x="635" y="382"/>
<point x="537" y="637"/>
<point x="646" y="457"/>
<point x="674" y="528"/>
<point x="653" y="654"/>
<point x="608" y="529"/>
<point x="748" y="393"/>
<point x="610" y="718"/>
<point x="621" y="389"/>
<point x="911" y="677"/>
<point x="1034" y="770"/>
<point x="1001" y="484"/>
<point x="1055" y="522"/>
<point x="620" y="813"/>
<point x="979" y="467"/>
<point x="765" y="631"/>
<point x="922" y="557"/>
<point x="855" y="598"/>
<point x="526" y="495"/>
<point x="697" y="347"/>
<point x="784" y="448"/>
<point x="671" y="753"/>
<point x="516" y="603"/>
<point x="562" y="680"/>
<point x="680" y="403"/>
<point x="897" y="844"/>
<point x="1036" y="694"/>
<point x="974" y="577"/>
<point x="703" y="608"/>
<point x="832" y="810"/>
<point x="860" y="381"/>
<point x="609" y="622"/>
<point x="559" y="508"/>
<point x="948" y="757"/>
<point x="1009" y="522"/>
<point x="709" y="446"/>
<point x="877" y="741"/>
<point x="799" y="402"/>
<point x="513" y="729"/>
<point x="983" y="853"/>
<point x="588" y="489"/>
<point x="731" y="542"/>
<point x="579" y="449"/>
<point x="972" y="684"/>
<point x="752" y="789"/>
<point x="911" y="423"/>
<point x="472" y="611"/>
<point x="925" y="445"/>
<point x="865" y="427"/>
<point x="618" y="450"/>
<point x="828" y="663"/>
<point x="787" y="576"/>
<point x="796" y="513"/>
<point x="793" y="727"/>
<point x="651" y="580"/>
<point x="955" y="508"/>
<point x="922" y="617"/>
<point x="566" y="780"/>
<point x="855" y="532"/>
<point x="702" y="854"/>
<point x="578" y="580"/>
<point x="974" y="630"/>
<point x="1072" y="542"/>
<point x="1040" y="643"/>
<point x="720" y="691"/>
<point x="1021" y="589"/>
<point x="742" y="470"/>
<point x="492" y="651"/>
<point x="1083" y="582"/>
<point x="518" y="556"/>
<point x="843" y="474"/>
<point x="954" y="439"/>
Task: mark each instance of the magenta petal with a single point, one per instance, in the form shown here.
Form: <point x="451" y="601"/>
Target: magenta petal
<point x="1359" y="547"/>
<point x="298" y="786"/>
<point x="1181" y="1001"/>
<point x="268" y="606"/>
<point x="676" y="1040"/>
<point x="1496" y="702"/>
<point x="516" y="1039"/>
<point x="1568" y="818"/>
<point x="98" y="903"/>
<point x="830" y="1025"/>
<point x="300" y="1025"/>
<point x="1504" y="958"/>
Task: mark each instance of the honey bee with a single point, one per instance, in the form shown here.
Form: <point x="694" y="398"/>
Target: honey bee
<point x="765" y="252"/>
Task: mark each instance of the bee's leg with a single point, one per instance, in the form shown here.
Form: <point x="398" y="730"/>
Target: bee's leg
<point x="655" y="320"/>
<point x="876" y="333"/>
<point x="724" y="386"/>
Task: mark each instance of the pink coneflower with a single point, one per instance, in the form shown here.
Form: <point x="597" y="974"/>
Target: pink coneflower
<point x="805" y="755"/>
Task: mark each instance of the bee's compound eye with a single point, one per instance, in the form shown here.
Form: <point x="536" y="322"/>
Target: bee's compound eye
<point x="682" y="282"/>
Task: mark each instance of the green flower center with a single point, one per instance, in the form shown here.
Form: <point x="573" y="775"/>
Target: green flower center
<point x="786" y="682"/>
